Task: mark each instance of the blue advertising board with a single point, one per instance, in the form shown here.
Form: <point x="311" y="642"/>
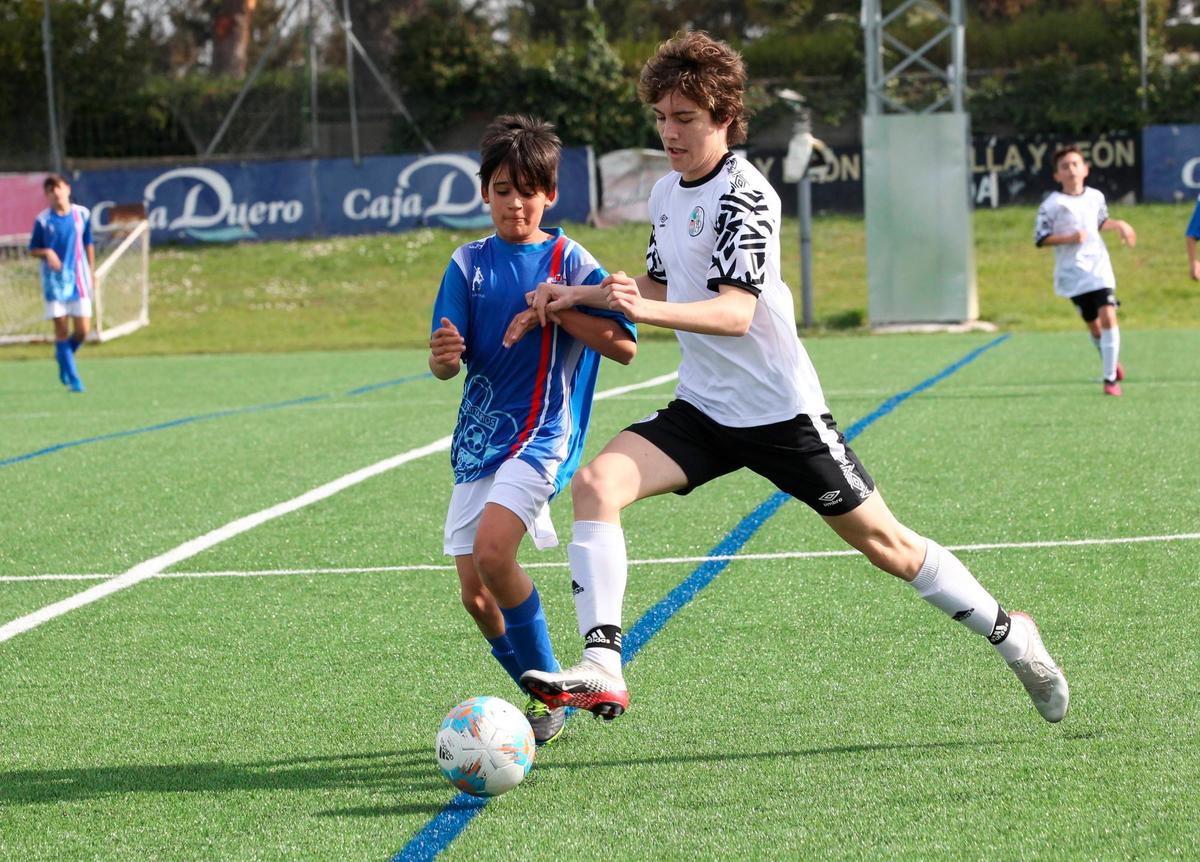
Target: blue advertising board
<point x="1171" y="167"/>
<point x="274" y="200"/>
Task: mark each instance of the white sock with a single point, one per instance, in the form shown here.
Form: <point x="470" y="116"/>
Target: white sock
<point x="1110" y="347"/>
<point x="598" y="574"/>
<point x="945" y="583"/>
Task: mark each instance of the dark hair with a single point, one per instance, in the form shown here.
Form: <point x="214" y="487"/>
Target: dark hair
<point x="53" y="181"/>
<point x="527" y="147"/>
<point x="706" y="71"/>
<point x="1063" y="152"/>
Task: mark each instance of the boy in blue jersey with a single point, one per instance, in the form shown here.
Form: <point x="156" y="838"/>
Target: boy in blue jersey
<point x="526" y="400"/>
<point x="1193" y="234"/>
<point x="62" y="238"/>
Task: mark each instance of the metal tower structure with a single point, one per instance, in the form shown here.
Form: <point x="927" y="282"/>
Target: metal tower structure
<point x="885" y="84"/>
<point x="917" y="166"/>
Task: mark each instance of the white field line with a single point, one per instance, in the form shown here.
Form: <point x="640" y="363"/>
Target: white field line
<point x="154" y="566"/>
<point x="658" y="561"/>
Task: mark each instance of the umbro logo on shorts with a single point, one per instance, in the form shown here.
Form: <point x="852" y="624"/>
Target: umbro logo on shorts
<point x="830" y="497"/>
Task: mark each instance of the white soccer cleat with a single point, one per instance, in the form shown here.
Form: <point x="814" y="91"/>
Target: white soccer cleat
<point x="585" y="686"/>
<point x="1042" y="678"/>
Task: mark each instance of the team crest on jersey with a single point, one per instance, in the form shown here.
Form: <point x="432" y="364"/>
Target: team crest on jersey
<point x="696" y="221"/>
<point x="477" y="282"/>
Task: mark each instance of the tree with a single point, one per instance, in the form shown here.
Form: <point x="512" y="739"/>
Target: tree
<point x="231" y="36"/>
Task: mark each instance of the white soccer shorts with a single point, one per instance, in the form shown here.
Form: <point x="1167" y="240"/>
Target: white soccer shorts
<point x="516" y="486"/>
<point x="74" y="308"/>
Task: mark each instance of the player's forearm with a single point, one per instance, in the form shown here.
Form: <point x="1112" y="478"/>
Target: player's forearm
<point x="1191" y="248"/>
<point x="444" y="370"/>
<point x="650" y="288"/>
<point x="603" y="334"/>
<point x="1062" y="239"/>
<point x="1114" y="224"/>
<point x="721" y="315"/>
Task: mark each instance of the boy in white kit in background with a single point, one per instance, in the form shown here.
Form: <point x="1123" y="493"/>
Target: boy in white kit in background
<point x="1071" y="221"/>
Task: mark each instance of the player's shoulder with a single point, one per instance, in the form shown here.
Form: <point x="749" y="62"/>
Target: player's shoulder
<point x="43" y="217"/>
<point x="740" y="176"/>
<point x="469" y="252"/>
<point x="84" y="212"/>
<point x="1094" y="195"/>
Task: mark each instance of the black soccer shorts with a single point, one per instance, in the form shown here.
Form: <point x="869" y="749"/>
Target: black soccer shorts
<point x="823" y="473"/>
<point x="1090" y="303"/>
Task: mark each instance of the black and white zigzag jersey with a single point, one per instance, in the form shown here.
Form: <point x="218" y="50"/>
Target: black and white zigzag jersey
<point x="724" y="229"/>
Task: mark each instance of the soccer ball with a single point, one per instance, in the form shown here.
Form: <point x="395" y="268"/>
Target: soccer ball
<point x="485" y="746"/>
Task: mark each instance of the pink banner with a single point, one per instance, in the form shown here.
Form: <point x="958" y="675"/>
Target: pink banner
<point x="21" y="199"/>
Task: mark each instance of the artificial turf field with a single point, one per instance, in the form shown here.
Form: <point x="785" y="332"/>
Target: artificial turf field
<point x="276" y="693"/>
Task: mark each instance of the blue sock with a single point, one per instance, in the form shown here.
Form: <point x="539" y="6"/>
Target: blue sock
<point x="61" y="347"/>
<point x="525" y="626"/>
<point x="76" y="343"/>
<point x="503" y="652"/>
<point x="66" y="363"/>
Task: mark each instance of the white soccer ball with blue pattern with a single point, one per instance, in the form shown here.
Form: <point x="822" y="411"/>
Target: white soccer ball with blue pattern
<point x="485" y="746"/>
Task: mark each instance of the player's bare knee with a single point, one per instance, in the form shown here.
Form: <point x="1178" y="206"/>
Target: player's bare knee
<point x="478" y="603"/>
<point x="591" y="489"/>
<point x="491" y="561"/>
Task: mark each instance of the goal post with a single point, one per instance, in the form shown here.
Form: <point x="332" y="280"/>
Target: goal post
<point x="121" y="295"/>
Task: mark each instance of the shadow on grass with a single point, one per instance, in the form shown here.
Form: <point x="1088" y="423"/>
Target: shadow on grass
<point x="391" y="772"/>
<point x="866" y="748"/>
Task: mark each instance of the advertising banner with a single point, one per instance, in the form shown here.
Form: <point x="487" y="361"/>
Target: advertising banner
<point x="21" y="199"/>
<point x="274" y="200"/>
<point x="1004" y="171"/>
<point x="1171" y="169"/>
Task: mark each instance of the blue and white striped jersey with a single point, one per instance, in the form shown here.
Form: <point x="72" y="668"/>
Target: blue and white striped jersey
<point x="68" y="235"/>
<point x="532" y="400"/>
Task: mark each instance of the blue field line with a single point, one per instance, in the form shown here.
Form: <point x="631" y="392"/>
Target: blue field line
<point x="202" y="417"/>
<point x="385" y="384"/>
<point x="449" y="823"/>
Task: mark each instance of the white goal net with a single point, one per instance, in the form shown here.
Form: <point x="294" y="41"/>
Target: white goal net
<point x="122" y="296"/>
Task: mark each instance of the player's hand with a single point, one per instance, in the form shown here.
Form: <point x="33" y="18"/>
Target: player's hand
<point x="446" y="345"/>
<point x="1080" y="236"/>
<point x="524" y="323"/>
<point x="1128" y="234"/>
<point x="545" y="295"/>
<point x="624" y="296"/>
<point x="52" y="260"/>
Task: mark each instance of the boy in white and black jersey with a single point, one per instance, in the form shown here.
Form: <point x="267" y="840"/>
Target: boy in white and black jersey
<point x="748" y="396"/>
<point x="1071" y="221"/>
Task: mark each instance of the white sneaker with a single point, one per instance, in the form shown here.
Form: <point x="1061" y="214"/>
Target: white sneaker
<point x="1046" y="684"/>
<point x="585" y="686"/>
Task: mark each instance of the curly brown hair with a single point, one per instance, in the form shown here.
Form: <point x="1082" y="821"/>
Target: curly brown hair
<point x="704" y="70"/>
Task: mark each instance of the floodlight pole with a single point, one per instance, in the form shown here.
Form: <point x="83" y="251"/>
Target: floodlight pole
<point x="52" y="110"/>
<point x="1143" y="49"/>
<point x="314" y="128"/>
<point x="348" y="29"/>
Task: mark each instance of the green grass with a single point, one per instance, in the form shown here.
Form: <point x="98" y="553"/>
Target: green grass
<point x="377" y="291"/>
<point x="797" y="708"/>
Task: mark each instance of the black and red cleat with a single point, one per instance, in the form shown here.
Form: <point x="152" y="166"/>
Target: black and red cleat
<point x="585" y="686"/>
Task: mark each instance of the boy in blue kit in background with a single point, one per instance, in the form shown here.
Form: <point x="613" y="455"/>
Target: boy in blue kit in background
<point x="62" y="238"/>
<point x="1193" y="234"/>
<point x="526" y="401"/>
